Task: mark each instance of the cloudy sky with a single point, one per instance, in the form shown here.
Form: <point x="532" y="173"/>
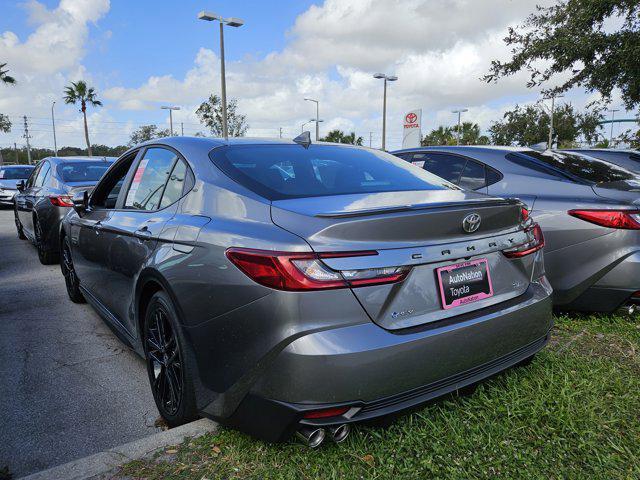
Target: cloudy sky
<point x="142" y="54"/>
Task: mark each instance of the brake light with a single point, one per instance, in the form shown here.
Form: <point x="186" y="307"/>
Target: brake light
<point x="524" y="213"/>
<point x="623" y="219"/>
<point x="535" y="242"/>
<point x="327" y="412"/>
<point x="61" y="200"/>
<point x="306" y="271"/>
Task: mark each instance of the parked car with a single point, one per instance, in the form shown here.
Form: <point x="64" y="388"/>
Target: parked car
<point x="45" y="198"/>
<point x="588" y="209"/>
<point x="9" y="177"/>
<point x="286" y="286"/>
<point x="626" y="158"/>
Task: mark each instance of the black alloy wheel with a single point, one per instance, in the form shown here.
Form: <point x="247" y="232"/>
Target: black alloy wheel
<point x="46" y="256"/>
<point x="19" y="228"/>
<point x="69" y="273"/>
<point x="168" y="373"/>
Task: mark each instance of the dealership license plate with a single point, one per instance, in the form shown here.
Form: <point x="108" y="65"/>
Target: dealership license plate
<point x="464" y="283"/>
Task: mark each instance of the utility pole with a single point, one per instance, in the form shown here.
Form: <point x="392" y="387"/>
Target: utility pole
<point x="280" y="132"/>
<point x="27" y="137"/>
<point x="370" y="138"/>
<point x="15" y="150"/>
<point x="53" y="123"/>
<point x="317" y="116"/>
<point x="553" y="98"/>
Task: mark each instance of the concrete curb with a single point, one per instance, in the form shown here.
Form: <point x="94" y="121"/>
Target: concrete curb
<point x="106" y="461"/>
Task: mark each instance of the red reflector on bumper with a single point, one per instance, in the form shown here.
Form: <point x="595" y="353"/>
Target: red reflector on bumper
<point x="327" y="412"/>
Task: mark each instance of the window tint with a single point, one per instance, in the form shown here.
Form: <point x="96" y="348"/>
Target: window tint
<point x="493" y="176"/>
<point x="580" y="168"/>
<point x="8" y="173"/>
<point x="42" y="174"/>
<point x="444" y="165"/>
<point x="34" y="174"/>
<point x="149" y="179"/>
<point x="292" y="171"/>
<point x="175" y="185"/>
<point x="86" y="171"/>
<point x="106" y="193"/>
<point x="473" y="176"/>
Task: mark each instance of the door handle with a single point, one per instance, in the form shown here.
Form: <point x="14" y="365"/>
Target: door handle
<point x="143" y="233"/>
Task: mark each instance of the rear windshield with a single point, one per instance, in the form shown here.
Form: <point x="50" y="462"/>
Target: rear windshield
<point x="582" y="168"/>
<point x="278" y="172"/>
<point x="8" y="173"/>
<point x="85" y="171"/>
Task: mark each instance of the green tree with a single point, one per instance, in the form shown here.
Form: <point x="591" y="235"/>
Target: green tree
<point x="440" y="136"/>
<point x="5" y="123"/>
<point x="210" y="115"/>
<point x="147" y="132"/>
<point x="4" y="78"/>
<point x="529" y="125"/>
<point x="469" y="135"/>
<point x="572" y="42"/>
<point x="338" y="136"/>
<point x="79" y="92"/>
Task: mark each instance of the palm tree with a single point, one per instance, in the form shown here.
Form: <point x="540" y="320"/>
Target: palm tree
<point x="79" y="92"/>
<point x="4" y="78"/>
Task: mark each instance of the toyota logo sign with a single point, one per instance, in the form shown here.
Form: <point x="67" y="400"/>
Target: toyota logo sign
<point x="411" y="117"/>
<point x="471" y="222"/>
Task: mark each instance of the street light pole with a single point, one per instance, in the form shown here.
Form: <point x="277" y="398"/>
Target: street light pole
<point x="613" y="114"/>
<point x="53" y="123"/>
<point x="303" y="125"/>
<point x="387" y="78"/>
<point x="232" y="22"/>
<point x="317" y="116"/>
<point x="171" y="109"/>
<point x="553" y="98"/>
<point x="460" y="111"/>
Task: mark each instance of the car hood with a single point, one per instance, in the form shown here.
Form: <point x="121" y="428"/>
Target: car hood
<point x="623" y="190"/>
<point x="9" y="184"/>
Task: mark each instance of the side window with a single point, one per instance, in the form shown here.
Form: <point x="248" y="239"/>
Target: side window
<point x="176" y="184"/>
<point x="444" y="165"/>
<point x="34" y="174"/>
<point x="105" y="194"/>
<point x="493" y="176"/>
<point x="42" y="174"/>
<point x="472" y="177"/>
<point x="149" y="179"/>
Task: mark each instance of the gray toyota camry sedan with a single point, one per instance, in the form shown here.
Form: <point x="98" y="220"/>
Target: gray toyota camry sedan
<point x="284" y="286"/>
<point x="589" y="211"/>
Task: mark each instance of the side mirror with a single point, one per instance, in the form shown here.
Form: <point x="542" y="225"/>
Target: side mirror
<point x="20" y="185"/>
<point x="80" y="202"/>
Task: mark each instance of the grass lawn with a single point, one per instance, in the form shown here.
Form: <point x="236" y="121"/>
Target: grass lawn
<point x="573" y="413"/>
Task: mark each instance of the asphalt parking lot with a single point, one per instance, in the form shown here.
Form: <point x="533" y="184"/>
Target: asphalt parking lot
<point x="68" y="387"/>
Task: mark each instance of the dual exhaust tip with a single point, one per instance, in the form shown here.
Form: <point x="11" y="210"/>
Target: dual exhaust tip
<point x="313" y="437"/>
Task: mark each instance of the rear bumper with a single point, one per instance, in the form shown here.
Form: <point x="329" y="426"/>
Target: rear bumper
<point x="379" y="372"/>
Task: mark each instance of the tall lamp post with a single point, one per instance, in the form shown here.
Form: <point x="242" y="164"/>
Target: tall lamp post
<point x="304" y="125"/>
<point x="317" y="122"/>
<point x="317" y="116"/>
<point x="552" y="112"/>
<point x="53" y="124"/>
<point x="460" y="111"/>
<point x="613" y="115"/>
<point x="232" y="22"/>
<point x="171" y="109"/>
<point x="387" y="78"/>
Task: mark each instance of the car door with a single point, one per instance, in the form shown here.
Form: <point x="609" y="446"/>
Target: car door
<point x="30" y="196"/>
<point x="21" y="200"/>
<point x="131" y="233"/>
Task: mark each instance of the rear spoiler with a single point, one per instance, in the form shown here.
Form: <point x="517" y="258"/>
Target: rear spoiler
<point x="493" y="202"/>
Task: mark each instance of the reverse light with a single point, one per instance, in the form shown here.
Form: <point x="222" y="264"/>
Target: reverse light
<point x="622" y="219"/>
<point x="306" y="271"/>
<point x="535" y="242"/>
<point x="61" y="200"/>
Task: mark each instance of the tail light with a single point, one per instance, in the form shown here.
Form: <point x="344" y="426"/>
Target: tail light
<point x="61" y="200"/>
<point x="623" y="219"/>
<point x="535" y="242"/>
<point x="524" y="214"/>
<point x="307" y="271"/>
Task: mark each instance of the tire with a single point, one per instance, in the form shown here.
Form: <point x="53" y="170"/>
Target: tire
<point x="19" y="228"/>
<point x="168" y="361"/>
<point x="46" y="256"/>
<point x="69" y="272"/>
